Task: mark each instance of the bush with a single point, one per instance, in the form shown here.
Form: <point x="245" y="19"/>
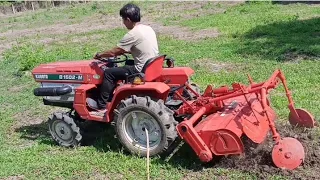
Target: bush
<point x="31" y="55"/>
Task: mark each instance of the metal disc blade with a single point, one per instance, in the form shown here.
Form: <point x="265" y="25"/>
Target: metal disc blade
<point x="288" y="153"/>
<point x="305" y="120"/>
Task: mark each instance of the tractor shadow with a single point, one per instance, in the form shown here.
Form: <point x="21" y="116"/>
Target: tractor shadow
<point x="35" y="132"/>
<point x="101" y="136"/>
<point x="295" y="2"/>
<point x="98" y="135"/>
<point x="293" y="39"/>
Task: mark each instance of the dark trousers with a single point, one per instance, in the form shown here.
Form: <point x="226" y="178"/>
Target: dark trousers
<point x="111" y="76"/>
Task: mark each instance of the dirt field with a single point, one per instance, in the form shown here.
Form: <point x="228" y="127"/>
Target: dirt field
<point x="259" y="161"/>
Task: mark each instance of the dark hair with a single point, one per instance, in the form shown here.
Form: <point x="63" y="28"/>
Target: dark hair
<point x="130" y="11"/>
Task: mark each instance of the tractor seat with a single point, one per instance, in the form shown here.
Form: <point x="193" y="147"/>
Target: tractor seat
<point x="153" y="68"/>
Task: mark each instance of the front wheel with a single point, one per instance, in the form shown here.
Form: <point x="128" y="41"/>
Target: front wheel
<point x="64" y="130"/>
<point x="188" y="94"/>
<point x="136" y="114"/>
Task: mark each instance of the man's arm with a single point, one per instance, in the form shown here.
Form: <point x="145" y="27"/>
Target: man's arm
<point x="111" y="53"/>
<point x="122" y="47"/>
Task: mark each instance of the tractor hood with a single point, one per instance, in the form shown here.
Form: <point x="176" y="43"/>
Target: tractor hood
<point x="67" y="66"/>
<point x="80" y="71"/>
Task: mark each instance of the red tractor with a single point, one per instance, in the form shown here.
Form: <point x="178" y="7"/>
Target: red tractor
<point x="162" y="101"/>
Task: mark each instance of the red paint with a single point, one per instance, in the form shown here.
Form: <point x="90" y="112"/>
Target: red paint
<point x="176" y="75"/>
<point x="153" y="71"/>
<point x="87" y="68"/>
<point x="288" y="153"/>
<point x="304" y="118"/>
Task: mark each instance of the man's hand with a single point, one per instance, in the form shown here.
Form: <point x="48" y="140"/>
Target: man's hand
<point x="110" y="53"/>
<point x="97" y="56"/>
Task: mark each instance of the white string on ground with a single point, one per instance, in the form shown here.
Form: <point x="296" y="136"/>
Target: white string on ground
<point x="147" y="134"/>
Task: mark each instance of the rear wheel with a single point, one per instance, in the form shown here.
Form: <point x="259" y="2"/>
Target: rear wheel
<point x="64" y="130"/>
<point x="135" y="115"/>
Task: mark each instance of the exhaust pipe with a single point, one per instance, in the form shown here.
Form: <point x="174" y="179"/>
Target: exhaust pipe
<point x="52" y="91"/>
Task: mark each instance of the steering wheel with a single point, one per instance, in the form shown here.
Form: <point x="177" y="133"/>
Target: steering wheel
<point x="169" y="62"/>
<point x="114" y="59"/>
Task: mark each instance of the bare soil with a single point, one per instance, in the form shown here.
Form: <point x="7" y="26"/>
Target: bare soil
<point x="99" y="22"/>
<point x="188" y="10"/>
<point x="106" y="176"/>
<point x="292" y="57"/>
<point x="258" y="161"/>
<point x="182" y="33"/>
<point x="15" y="89"/>
<point x="26" y="118"/>
<point x="90" y="24"/>
<point x="14" y="178"/>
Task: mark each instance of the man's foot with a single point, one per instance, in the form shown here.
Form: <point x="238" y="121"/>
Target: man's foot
<point x="92" y="103"/>
<point x="100" y="113"/>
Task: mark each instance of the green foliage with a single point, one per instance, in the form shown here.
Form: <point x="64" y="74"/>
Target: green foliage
<point x="5" y="3"/>
<point x="28" y="56"/>
<point x="255" y="38"/>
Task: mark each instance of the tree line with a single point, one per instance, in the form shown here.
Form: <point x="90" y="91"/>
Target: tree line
<point x="8" y="7"/>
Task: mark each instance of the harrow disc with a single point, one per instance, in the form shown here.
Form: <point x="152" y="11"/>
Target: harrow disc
<point x="288" y="153"/>
<point x="305" y="120"/>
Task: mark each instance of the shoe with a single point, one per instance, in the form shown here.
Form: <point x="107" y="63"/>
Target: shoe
<point x="92" y="103"/>
<point x="99" y="113"/>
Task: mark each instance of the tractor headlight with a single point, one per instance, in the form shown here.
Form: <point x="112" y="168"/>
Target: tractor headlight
<point x="96" y="76"/>
<point x="137" y="81"/>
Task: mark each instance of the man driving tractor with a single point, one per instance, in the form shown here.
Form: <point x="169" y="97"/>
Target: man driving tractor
<point x="140" y="41"/>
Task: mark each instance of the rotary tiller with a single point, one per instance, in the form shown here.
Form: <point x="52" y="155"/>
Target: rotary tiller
<point x="221" y="116"/>
<point x="162" y="100"/>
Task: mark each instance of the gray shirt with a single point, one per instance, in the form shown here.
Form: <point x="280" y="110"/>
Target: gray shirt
<point x="141" y="42"/>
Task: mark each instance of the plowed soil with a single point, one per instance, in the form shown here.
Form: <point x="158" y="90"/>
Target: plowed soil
<point x="258" y="161"/>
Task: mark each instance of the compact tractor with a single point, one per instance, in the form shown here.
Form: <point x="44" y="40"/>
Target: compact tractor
<point x="162" y="101"/>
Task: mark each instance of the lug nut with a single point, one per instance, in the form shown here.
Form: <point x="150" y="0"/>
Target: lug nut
<point x="287" y="155"/>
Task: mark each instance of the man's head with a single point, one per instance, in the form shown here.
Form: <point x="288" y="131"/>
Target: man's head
<point x="130" y="14"/>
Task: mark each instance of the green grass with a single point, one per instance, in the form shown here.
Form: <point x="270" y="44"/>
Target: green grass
<point x="259" y="37"/>
<point x="266" y="32"/>
<point x="65" y="15"/>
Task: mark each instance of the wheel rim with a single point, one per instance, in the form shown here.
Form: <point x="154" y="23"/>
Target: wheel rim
<point x="134" y="124"/>
<point x="62" y="131"/>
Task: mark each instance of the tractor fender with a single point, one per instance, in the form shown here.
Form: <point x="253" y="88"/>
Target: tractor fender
<point x="157" y="90"/>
